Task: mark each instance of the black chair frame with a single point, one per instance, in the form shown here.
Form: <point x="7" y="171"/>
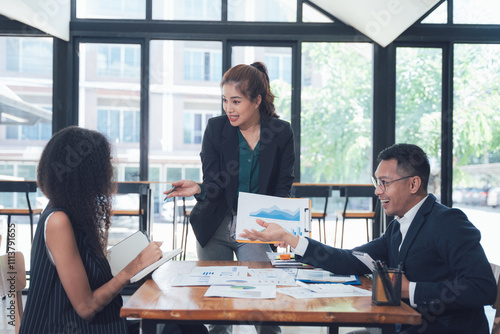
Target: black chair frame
<point x="315" y="191"/>
<point x="144" y="191"/>
<point x="357" y="191"/>
<point x="25" y="187"/>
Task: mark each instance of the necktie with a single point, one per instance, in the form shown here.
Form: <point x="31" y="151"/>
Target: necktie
<point x="396" y="242"/>
<point x="398" y="237"/>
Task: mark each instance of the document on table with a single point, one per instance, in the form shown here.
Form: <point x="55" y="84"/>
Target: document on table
<point x="323" y="276"/>
<point x="242" y="291"/>
<point x="258" y="277"/>
<point x="201" y="275"/>
<point x="327" y="291"/>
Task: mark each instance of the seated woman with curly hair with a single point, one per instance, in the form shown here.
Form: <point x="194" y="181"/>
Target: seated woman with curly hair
<point x="72" y="289"/>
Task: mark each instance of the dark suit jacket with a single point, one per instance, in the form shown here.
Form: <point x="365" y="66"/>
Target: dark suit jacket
<point x="220" y="161"/>
<point x="442" y="254"/>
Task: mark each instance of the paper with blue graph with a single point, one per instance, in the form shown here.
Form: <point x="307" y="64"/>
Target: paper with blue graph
<point x="293" y="214"/>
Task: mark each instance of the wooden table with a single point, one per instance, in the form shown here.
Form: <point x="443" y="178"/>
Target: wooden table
<point x="157" y="302"/>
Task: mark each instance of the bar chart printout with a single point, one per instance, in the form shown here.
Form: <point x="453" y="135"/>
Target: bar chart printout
<point x="293" y="214"/>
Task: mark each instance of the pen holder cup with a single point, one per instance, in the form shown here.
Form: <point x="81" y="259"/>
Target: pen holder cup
<point x="386" y="288"/>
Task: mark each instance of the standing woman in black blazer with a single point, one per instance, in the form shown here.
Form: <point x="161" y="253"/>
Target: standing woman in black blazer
<point x="249" y="150"/>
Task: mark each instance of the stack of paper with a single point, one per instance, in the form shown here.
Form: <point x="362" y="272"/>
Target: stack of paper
<point x="279" y="261"/>
<point x="323" y="276"/>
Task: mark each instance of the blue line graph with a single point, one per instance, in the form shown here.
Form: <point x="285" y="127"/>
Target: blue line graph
<point x="275" y="212"/>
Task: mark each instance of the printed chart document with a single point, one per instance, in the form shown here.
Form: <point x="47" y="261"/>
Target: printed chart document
<point x="257" y="277"/>
<point x="242" y="291"/>
<point x="333" y="290"/>
<point x="200" y="276"/>
<point x="323" y="276"/>
<point x="293" y="214"/>
<point x="126" y="250"/>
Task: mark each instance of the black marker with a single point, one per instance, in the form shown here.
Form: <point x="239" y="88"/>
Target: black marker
<point x="169" y="192"/>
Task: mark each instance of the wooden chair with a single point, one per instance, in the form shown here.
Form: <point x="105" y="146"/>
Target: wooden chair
<point x="496" y="325"/>
<point x="356" y="192"/>
<point x="315" y="191"/>
<point x="13" y="265"/>
<point x="25" y="187"/>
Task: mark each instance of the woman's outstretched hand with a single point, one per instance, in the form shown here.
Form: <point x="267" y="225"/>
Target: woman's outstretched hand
<point x="183" y="188"/>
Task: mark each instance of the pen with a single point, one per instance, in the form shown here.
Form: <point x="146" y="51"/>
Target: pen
<point x="169" y="192"/>
<point x="384" y="278"/>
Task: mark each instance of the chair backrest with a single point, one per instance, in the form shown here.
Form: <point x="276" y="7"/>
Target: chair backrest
<point x="19" y="187"/>
<point x="311" y="191"/>
<point x="144" y="191"/>
<point x="356" y="191"/>
<point x="132" y="188"/>
<point x="13" y="280"/>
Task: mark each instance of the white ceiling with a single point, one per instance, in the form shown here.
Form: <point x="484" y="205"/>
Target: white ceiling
<point x="51" y="16"/>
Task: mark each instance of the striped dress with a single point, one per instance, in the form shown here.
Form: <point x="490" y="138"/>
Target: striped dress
<point x="48" y="309"/>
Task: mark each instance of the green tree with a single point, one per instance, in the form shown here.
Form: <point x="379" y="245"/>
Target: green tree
<point x="336" y="113"/>
<point x="476" y="117"/>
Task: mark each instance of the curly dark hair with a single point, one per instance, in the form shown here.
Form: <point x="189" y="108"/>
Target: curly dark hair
<point x="253" y="80"/>
<point x="75" y="173"/>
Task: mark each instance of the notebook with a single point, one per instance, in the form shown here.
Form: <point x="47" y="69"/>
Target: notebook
<point x="126" y="250"/>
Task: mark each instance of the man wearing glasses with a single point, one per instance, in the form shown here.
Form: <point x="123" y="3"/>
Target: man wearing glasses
<point x="447" y="277"/>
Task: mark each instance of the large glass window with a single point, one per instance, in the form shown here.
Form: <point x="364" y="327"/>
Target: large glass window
<point x="118" y="60"/>
<point x="476" y="11"/>
<point x="476" y="126"/>
<point x="20" y="53"/>
<point x="194" y="126"/>
<point x="201" y="65"/>
<point x="109" y="99"/>
<point x="418" y="105"/>
<point x="109" y="102"/>
<point x="25" y="123"/>
<point x="191" y="10"/>
<point x="119" y="125"/>
<point x="439" y="15"/>
<point x="25" y="101"/>
<point x="184" y="94"/>
<point x="476" y="139"/>
<point x="111" y="9"/>
<point x="336" y="113"/>
<point x="310" y="14"/>
<point x="262" y="10"/>
<point x="278" y="61"/>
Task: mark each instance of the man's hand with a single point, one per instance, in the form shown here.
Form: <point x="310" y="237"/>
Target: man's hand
<point x="271" y="232"/>
<point x="496" y="326"/>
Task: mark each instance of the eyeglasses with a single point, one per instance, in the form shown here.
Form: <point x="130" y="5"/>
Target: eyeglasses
<point x="381" y="183"/>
